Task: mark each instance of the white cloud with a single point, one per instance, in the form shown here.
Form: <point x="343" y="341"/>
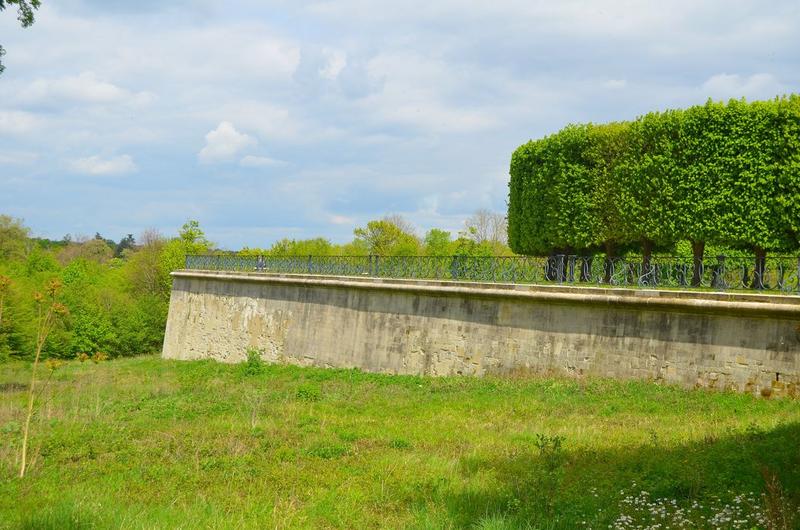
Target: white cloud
<point x="274" y="122"/>
<point x="82" y="88"/>
<point x="341" y="220"/>
<point x="94" y="165"/>
<point x="264" y="118"/>
<point x="260" y="161"/>
<point x="187" y="50"/>
<point x="336" y="60"/>
<point x="224" y="143"/>
<point x="18" y="158"/>
<point x="17" y="122"/>
<point x="615" y="84"/>
<point x="392" y="105"/>
<point x="415" y="91"/>
<point x="638" y="20"/>
<point x="724" y="86"/>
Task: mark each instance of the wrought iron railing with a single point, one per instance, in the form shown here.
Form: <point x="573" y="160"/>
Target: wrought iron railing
<point x="774" y="273"/>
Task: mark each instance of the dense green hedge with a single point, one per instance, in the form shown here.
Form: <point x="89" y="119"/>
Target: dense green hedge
<point x="719" y="173"/>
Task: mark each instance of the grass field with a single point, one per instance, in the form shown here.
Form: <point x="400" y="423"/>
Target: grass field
<point x="149" y="443"/>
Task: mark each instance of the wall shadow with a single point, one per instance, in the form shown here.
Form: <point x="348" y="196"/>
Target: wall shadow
<point x="531" y="488"/>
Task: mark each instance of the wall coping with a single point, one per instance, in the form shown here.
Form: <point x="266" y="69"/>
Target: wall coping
<point x="763" y="305"/>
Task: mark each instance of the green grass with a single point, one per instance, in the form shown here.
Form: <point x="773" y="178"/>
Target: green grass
<point x="149" y="443"/>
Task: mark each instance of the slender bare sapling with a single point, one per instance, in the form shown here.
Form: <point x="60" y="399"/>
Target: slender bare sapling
<point x="48" y="312"/>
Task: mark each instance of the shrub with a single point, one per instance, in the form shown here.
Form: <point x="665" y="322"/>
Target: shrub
<point x="253" y="364"/>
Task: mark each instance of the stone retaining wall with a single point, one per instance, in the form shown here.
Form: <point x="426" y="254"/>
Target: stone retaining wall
<point x="746" y="342"/>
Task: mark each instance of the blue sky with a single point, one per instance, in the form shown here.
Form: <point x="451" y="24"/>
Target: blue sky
<point x="279" y="119"/>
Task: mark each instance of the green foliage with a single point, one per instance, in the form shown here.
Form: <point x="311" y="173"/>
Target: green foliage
<point x="5" y="291"/>
<point x="304" y="247"/>
<point x="399" y="443"/>
<point x="309" y="392"/>
<point x="719" y="173"/>
<point x="61" y="516"/>
<point x="118" y="294"/>
<point x="148" y="268"/>
<point x="39" y="261"/>
<point x="357" y="247"/>
<point x="385" y="238"/>
<point x="116" y="305"/>
<point x="328" y="451"/>
<point x="97" y="250"/>
<point x="171" y="255"/>
<point x="191" y="234"/>
<point x="13" y="237"/>
<point x="25" y="9"/>
<point x="394" y="236"/>
<point x="550" y="450"/>
<point x="469" y="247"/>
<point x="253" y="364"/>
<point x="556" y="192"/>
<point x="604" y="223"/>
<point x="126" y="244"/>
<point x="437" y="243"/>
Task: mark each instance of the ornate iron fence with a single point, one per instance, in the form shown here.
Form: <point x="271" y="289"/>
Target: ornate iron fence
<point x="774" y="273"/>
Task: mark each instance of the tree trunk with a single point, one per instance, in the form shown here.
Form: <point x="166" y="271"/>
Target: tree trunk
<point x="609" y="264"/>
<point x="551" y="268"/>
<point x="698" y="247"/>
<point x="647" y="254"/>
<point x="759" y="282"/>
<point x="566" y="264"/>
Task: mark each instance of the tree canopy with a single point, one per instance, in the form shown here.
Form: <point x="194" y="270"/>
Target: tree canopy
<point x="25" y="15"/>
<point x="13" y="237"/>
<point x="385" y="237"/>
<point x="721" y="173"/>
<point x="117" y="305"/>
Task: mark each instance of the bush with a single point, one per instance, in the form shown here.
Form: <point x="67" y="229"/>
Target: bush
<point x="253" y="364"/>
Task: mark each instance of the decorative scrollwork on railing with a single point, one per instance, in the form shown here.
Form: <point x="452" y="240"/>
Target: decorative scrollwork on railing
<point x="773" y="273"/>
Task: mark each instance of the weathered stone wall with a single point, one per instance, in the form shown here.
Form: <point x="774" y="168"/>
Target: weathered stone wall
<point x="745" y="342"/>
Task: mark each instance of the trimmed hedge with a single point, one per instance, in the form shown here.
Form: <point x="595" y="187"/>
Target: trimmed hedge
<point x="721" y="173"/>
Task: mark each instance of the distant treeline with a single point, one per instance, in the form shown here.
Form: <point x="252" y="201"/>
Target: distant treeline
<point x="117" y="292"/>
<point x="725" y="174"/>
<point x="484" y="234"/>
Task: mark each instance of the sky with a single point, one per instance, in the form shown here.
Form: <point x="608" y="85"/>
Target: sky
<point x="265" y="120"/>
